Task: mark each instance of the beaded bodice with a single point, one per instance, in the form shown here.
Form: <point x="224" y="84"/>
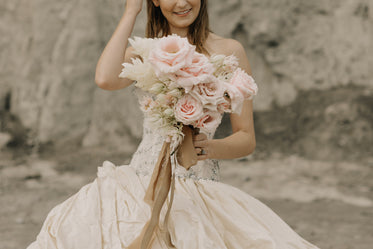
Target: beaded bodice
<point x="146" y="156"/>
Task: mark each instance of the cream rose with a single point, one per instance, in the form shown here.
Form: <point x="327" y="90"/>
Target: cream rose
<point x="245" y="83"/>
<point x="146" y="103"/>
<point x="209" y="121"/>
<point x="188" y="109"/>
<point x="224" y="65"/>
<point x="170" y="54"/>
<point x="230" y="63"/>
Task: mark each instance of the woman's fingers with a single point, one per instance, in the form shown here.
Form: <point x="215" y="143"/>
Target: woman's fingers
<point x="200" y="137"/>
<point x="200" y="140"/>
<point x="201" y="143"/>
<point x="201" y="156"/>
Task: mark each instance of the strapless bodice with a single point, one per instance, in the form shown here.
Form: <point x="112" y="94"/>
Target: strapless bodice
<point x="146" y="155"/>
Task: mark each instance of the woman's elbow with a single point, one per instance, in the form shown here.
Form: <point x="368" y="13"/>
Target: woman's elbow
<point x="251" y="147"/>
<point x="105" y="84"/>
<point x="102" y="83"/>
<point x="112" y="84"/>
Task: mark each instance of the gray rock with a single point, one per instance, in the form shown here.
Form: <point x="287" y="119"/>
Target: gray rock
<point x="50" y="49"/>
<point x="4" y="139"/>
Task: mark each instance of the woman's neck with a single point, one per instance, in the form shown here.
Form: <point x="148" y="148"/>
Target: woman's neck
<point x="182" y="32"/>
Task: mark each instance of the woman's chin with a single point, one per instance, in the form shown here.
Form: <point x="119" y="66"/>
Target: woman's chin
<point x="181" y="24"/>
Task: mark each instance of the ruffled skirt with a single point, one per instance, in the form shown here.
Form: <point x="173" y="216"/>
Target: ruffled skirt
<point x="110" y="213"/>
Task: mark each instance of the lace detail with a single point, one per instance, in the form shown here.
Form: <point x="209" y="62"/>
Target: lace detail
<point x="146" y="155"/>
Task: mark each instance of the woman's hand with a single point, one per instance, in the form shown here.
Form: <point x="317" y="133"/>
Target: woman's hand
<point x="201" y="145"/>
<point x="134" y="6"/>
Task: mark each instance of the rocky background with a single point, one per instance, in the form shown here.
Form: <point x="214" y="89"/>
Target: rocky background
<point x="312" y="61"/>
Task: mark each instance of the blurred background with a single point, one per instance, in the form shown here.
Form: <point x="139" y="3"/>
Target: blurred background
<point x="313" y="63"/>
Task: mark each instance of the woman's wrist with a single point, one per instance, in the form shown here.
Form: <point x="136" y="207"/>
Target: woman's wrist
<point x="130" y="13"/>
<point x="212" y="146"/>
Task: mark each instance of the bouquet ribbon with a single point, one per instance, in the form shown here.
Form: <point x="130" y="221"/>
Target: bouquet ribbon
<point x="161" y="182"/>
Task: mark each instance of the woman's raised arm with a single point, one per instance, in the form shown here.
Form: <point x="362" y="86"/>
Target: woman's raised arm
<point x="116" y="52"/>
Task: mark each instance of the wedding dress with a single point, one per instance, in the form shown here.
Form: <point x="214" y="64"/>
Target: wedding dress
<point x="110" y="212"/>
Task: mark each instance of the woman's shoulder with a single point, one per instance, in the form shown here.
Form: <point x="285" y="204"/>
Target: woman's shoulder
<point x="227" y="46"/>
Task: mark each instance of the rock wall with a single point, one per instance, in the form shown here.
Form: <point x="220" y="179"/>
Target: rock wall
<point x="301" y="45"/>
<point x="50" y="49"/>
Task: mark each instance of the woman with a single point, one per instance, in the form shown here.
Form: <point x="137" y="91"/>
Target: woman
<point x="111" y="213"/>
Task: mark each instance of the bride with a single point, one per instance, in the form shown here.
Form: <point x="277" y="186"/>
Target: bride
<point x="110" y="212"/>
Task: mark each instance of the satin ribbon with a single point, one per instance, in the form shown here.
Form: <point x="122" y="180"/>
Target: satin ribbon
<point x="162" y="180"/>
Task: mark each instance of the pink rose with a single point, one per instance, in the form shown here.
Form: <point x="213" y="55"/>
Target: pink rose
<point x="245" y="83"/>
<point x="199" y="71"/>
<point x="170" y="54"/>
<point x="188" y="109"/>
<point x="210" y="93"/>
<point x="224" y="106"/>
<point x="235" y="96"/>
<point x="209" y="121"/>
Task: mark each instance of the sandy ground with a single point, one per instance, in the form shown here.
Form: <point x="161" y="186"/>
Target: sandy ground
<point x="327" y="203"/>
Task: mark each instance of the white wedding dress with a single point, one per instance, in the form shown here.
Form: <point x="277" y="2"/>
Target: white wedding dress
<point x="110" y="212"/>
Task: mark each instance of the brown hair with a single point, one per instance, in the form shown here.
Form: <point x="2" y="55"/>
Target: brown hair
<point x="198" y="31"/>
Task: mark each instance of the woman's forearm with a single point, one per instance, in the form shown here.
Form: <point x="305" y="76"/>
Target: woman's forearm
<point x="237" y="145"/>
<point x="109" y="65"/>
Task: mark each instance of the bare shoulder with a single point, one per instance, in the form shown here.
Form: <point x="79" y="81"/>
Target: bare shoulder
<point x="227" y="46"/>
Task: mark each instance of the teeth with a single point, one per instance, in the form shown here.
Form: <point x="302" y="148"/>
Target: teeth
<point x="184" y="12"/>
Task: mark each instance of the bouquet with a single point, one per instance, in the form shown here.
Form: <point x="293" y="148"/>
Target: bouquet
<point x="186" y="89"/>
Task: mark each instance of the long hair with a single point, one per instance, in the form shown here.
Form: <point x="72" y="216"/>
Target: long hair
<point x="198" y="31"/>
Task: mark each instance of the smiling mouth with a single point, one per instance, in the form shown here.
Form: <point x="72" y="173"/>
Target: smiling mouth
<point x="183" y="12"/>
